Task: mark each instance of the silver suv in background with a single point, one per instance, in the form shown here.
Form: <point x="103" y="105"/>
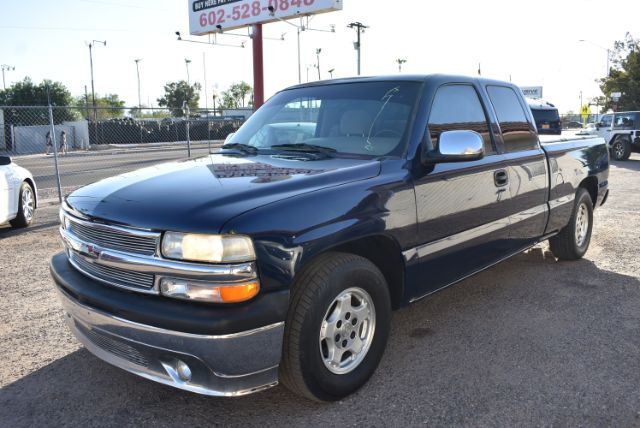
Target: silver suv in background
<point x="621" y="131"/>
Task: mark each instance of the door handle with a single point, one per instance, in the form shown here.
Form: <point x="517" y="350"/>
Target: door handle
<point x="501" y="178"/>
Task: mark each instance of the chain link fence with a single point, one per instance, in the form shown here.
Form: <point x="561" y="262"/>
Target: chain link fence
<point x="69" y="147"/>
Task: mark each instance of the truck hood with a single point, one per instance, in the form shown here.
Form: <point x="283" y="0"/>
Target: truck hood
<point x="201" y="195"/>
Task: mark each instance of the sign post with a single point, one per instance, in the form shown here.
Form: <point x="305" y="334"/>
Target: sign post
<point x="258" y="67"/>
<point x="217" y="16"/>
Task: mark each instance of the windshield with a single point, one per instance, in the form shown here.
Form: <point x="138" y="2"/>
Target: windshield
<point x="370" y="119"/>
<point x="545" y="115"/>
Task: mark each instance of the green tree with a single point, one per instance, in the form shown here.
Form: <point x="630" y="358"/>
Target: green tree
<point x="109" y="106"/>
<point x="624" y="76"/>
<point x="176" y="93"/>
<point x="28" y="94"/>
<point x="239" y="95"/>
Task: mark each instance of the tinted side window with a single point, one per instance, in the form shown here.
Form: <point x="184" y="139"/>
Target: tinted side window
<point x="516" y="133"/>
<point x="457" y="107"/>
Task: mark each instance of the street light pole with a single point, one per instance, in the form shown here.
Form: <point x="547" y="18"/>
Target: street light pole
<point x="359" y="27"/>
<point x="206" y="91"/>
<point x="93" y="89"/>
<point x="318" y="51"/>
<point x="6" y="67"/>
<point x="187" y="62"/>
<point x="139" y="95"/>
<point x="300" y="29"/>
<point x="603" y="48"/>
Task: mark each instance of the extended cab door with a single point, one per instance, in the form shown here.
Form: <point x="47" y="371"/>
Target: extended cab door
<point x="462" y="223"/>
<point x="526" y="163"/>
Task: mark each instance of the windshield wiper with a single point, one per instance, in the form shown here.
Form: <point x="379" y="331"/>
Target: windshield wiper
<point x="244" y="148"/>
<point x="303" y="147"/>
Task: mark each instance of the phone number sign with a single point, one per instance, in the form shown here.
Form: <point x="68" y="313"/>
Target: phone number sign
<point x="210" y="16"/>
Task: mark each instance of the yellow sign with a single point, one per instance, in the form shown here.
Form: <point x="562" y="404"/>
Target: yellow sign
<point x="585" y="112"/>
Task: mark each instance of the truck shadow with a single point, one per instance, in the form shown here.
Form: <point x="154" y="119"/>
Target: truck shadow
<point x="531" y="327"/>
<point x="7" y="231"/>
<point x="633" y="163"/>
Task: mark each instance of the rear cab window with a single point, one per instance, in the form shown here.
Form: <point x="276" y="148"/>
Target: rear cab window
<point x="517" y="133"/>
<point x="545" y="115"/>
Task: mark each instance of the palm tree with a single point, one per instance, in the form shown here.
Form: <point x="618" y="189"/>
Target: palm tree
<point x="400" y="61"/>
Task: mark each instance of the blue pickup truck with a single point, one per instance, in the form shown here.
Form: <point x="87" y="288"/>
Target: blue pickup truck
<point x="280" y="257"/>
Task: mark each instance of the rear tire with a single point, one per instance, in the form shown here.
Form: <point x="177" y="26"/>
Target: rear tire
<point x="621" y="149"/>
<point x="573" y="241"/>
<point x="337" y="327"/>
<point x="26" y="207"/>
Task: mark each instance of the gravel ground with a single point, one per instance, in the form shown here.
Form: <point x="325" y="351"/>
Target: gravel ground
<point x="529" y="342"/>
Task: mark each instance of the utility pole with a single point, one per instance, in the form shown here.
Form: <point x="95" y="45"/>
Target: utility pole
<point x="86" y="100"/>
<point x="400" y="61"/>
<point x="6" y="67"/>
<point x="359" y="27"/>
<point x="318" y="51"/>
<point x="479" y="70"/>
<point x="139" y="96"/>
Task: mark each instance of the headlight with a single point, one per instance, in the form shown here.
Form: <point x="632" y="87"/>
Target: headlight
<point x="208" y="248"/>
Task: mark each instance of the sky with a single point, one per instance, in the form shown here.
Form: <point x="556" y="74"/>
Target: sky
<point x="532" y="43"/>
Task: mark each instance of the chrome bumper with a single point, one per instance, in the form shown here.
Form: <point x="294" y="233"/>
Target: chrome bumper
<point x="227" y="365"/>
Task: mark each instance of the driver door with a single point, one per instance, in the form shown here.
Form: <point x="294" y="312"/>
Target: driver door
<point x="462" y="216"/>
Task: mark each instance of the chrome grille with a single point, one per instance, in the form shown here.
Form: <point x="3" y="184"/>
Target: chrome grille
<point x="110" y="275"/>
<point x="115" y="238"/>
<point x="114" y="346"/>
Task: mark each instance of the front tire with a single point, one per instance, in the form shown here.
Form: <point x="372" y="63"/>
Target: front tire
<point x="573" y="241"/>
<point x="337" y="327"/>
<point x="26" y="207"/>
<point x="621" y="149"/>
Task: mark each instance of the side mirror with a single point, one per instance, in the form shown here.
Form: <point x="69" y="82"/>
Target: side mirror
<point x="457" y="146"/>
<point x="5" y="160"/>
<point x="597" y="126"/>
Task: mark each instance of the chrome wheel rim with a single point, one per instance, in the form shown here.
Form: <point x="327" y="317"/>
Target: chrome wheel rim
<point x="582" y="224"/>
<point x="28" y="204"/>
<point x="347" y="330"/>
<point x="618" y="150"/>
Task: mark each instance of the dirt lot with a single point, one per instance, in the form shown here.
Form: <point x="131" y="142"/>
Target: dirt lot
<point x="529" y="342"/>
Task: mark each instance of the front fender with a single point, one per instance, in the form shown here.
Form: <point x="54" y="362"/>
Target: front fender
<point x="290" y="233"/>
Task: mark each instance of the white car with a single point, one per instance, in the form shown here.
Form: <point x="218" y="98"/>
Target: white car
<point x="18" y="199"/>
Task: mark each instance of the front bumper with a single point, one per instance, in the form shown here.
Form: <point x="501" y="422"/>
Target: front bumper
<point x="218" y="365"/>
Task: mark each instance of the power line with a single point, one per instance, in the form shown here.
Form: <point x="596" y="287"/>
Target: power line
<point x="16" y="27"/>
<point x="107" y="3"/>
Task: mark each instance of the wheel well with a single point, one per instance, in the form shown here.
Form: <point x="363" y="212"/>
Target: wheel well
<point x="591" y="185"/>
<point x="385" y="253"/>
